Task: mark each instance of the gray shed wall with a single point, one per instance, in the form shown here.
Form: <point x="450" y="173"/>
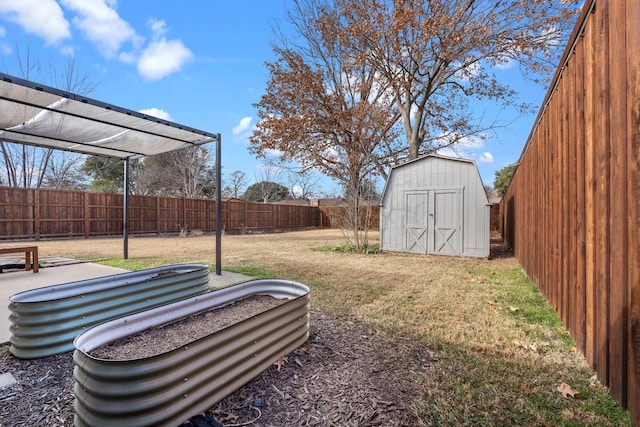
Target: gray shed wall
<point x="435" y="205"/>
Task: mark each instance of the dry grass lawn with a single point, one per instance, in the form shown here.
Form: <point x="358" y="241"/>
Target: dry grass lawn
<point x="502" y="351"/>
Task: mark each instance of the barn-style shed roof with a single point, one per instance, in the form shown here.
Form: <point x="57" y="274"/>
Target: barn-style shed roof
<point x="421" y="159"/>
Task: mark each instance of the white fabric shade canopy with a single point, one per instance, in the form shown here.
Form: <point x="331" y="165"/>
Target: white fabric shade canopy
<point x="34" y="114"/>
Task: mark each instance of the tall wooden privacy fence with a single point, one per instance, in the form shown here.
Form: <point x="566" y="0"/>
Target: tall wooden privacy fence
<point x="41" y="213"/>
<point x="572" y="210"/>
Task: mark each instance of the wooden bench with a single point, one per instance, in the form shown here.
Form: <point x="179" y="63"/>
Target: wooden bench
<point x="30" y="255"/>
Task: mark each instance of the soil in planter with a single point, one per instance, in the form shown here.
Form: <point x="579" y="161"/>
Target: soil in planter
<point x="169" y="336"/>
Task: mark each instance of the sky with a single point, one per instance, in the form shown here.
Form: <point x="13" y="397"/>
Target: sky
<point x="199" y="63"/>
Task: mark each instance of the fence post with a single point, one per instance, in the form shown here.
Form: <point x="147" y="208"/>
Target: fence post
<point x="36" y="212"/>
<point x="87" y="213"/>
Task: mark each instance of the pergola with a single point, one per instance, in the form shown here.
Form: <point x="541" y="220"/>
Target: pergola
<point x="35" y="114"/>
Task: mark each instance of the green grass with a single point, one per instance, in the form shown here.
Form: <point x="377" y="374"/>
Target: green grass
<point x="499" y="350"/>
<point x="526" y="390"/>
<point x="523" y="301"/>
<point x="347" y="247"/>
<point x="250" y="271"/>
<point x="135" y="264"/>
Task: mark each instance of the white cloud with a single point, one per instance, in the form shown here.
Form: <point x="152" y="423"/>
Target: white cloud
<point x="456" y="151"/>
<point x="99" y="20"/>
<point x="472" y="142"/>
<point x="272" y="153"/>
<point x="43" y="18"/>
<point x="243" y="130"/>
<point x="485" y="158"/>
<point x="450" y="152"/>
<point x="162" y="57"/>
<point x="297" y="191"/>
<point x="156" y="112"/>
<point x="243" y="126"/>
<point x="462" y="143"/>
<point x="69" y="51"/>
<point x="128" y="57"/>
<point x="158" y="27"/>
<point x="5" y="49"/>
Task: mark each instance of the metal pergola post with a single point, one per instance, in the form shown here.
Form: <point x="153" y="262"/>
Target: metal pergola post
<point x="125" y="211"/>
<point x="218" y="205"/>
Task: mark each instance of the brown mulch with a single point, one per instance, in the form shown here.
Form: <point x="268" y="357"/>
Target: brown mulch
<point x="347" y="374"/>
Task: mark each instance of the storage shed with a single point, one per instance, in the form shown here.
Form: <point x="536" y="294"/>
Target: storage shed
<point x="435" y="205"/>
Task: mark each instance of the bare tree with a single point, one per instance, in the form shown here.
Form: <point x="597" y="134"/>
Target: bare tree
<point x="196" y="174"/>
<point x="64" y="172"/>
<point x="490" y="192"/>
<point x="186" y="173"/>
<point x="237" y="185"/>
<point x="323" y="109"/>
<point x="30" y="166"/>
<point x="439" y="57"/>
<point x="303" y="183"/>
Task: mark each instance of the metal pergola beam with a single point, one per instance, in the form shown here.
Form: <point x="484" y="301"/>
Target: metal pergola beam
<point x="43" y="116"/>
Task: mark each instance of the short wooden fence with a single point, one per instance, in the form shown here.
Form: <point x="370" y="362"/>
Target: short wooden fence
<point x="35" y="214"/>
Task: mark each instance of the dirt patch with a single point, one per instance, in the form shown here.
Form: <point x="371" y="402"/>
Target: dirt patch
<point x="169" y="336"/>
<point x="499" y="249"/>
<point x="347" y="374"/>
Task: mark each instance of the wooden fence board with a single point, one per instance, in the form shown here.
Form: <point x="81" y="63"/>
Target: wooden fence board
<point x="580" y="294"/>
<point x="601" y="156"/>
<point x="569" y="208"/>
<point x="565" y="194"/>
<point x="554" y="136"/>
<point x="632" y="34"/>
<point x="618" y="202"/>
<point x="589" y="107"/>
<point x="572" y="210"/>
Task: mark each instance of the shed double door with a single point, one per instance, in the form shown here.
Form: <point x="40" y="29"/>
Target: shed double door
<point x="433" y="222"/>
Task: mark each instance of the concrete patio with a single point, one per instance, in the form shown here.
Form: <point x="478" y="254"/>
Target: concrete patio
<point x="18" y="281"/>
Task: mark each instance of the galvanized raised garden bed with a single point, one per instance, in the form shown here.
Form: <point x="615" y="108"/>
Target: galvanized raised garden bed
<point x="45" y="321"/>
<point x="169" y="388"/>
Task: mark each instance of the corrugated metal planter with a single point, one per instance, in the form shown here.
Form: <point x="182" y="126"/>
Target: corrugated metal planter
<point x="46" y="320"/>
<point x="169" y="388"/>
